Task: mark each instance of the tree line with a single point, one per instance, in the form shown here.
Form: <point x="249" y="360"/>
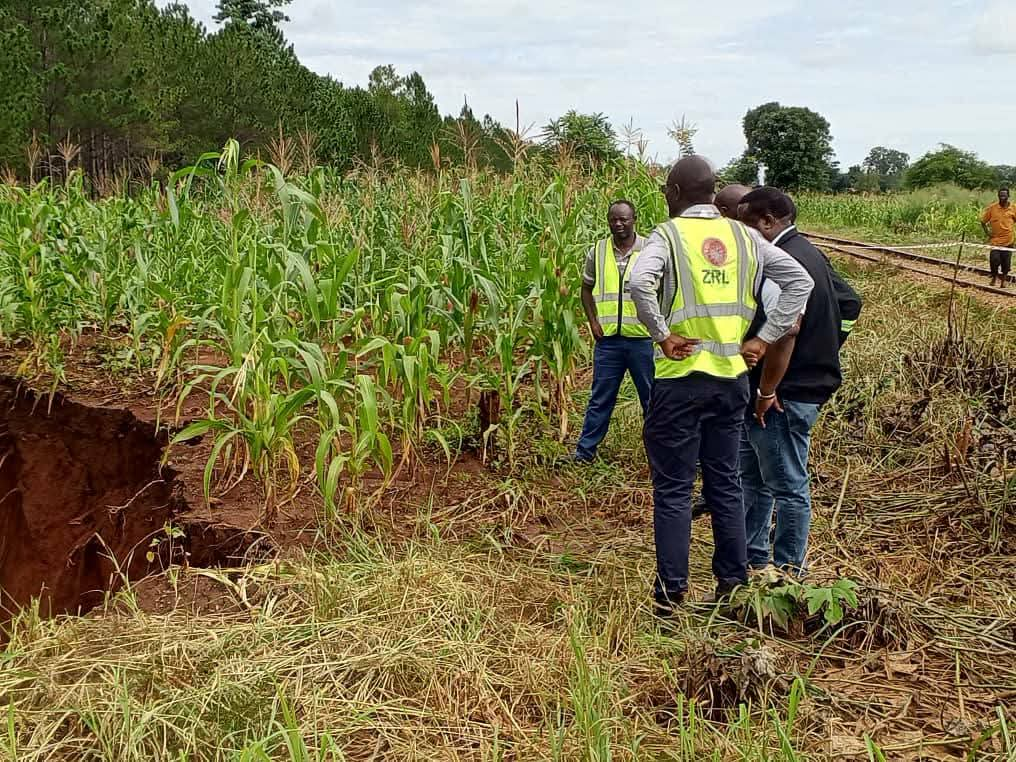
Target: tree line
<point x="104" y="84"/>
<point x="113" y="86"/>
<point x="794" y="145"/>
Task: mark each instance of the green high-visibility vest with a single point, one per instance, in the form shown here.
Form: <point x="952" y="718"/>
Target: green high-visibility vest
<point x="715" y="262"/>
<point x="614" y="306"/>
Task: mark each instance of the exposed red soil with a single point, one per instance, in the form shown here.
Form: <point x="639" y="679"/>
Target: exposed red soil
<point x="83" y="499"/>
<point x="85" y="504"/>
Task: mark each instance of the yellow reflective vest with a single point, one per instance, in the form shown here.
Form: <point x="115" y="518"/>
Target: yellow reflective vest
<point x="715" y="263"/>
<point x="614" y="306"/>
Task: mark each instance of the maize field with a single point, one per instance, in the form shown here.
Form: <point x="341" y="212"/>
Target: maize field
<point x="939" y="213"/>
<point x="350" y="530"/>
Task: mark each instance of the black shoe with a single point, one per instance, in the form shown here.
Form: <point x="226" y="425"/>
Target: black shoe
<point x="700" y="508"/>
<point x="724" y="589"/>
<point x="667" y="607"/>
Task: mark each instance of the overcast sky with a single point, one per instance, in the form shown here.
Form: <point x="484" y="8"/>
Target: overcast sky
<point x="907" y="74"/>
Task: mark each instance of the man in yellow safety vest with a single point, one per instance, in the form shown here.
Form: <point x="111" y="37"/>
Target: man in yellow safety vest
<point x="622" y="342"/>
<point x="727" y="201"/>
<point x="695" y="287"/>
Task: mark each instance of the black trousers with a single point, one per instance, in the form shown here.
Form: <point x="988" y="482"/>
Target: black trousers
<point x="1000" y="262"/>
<point x="697" y="418"/>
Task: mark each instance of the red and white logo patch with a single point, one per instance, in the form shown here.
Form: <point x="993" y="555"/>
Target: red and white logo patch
<point x="715" y="252"/>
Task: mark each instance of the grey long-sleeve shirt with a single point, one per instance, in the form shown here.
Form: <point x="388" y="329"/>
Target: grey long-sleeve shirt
<point x="653" y="282"/>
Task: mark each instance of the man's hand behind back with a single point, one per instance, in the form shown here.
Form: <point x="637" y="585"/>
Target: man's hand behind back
<point x="678" y="347"/>
<point x="753" y="350"/>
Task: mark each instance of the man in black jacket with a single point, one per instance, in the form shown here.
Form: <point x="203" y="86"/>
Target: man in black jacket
<point x="847" y="299"/>
<point x="777" y="435"/>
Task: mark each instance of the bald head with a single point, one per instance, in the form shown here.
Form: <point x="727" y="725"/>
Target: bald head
<point x="691" y="181"/>
<point x="728" y="199"/>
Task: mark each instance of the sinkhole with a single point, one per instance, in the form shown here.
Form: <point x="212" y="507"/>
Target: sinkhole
<point x="82" y="498"/>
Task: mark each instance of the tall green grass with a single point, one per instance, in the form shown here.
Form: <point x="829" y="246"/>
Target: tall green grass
<point x="942" y="212"/>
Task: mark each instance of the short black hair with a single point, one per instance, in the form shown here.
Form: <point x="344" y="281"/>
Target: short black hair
<point x="1003" y="188"/>
<point x="769" y="200"/>
<point x="626" y="202"/>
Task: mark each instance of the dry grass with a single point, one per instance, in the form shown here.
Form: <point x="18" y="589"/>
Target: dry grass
<point x="429" y="652"/>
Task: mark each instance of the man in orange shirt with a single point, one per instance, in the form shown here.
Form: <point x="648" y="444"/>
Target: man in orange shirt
<point x="998" y="222"/>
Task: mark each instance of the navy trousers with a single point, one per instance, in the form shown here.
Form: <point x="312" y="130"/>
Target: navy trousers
<point x="614" y="356"/>
<point x="697" y="418"/>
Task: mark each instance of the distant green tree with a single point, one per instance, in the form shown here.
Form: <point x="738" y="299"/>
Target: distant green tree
<point x="465" y="139"/>
<point x="51" y="36"/>
<point x="237" y="83"/>
<point x="793" y="143"/>
<point x="1006" y="174"/>
<point x="838" y="182"/>
<point x="20" y="90"/>
<point x="886" y="161"/>
<point x="172" y="43"/>
<point x="124" y="80"/>
<point x="331" y="116"/>
<point x="888" y="165"/>
<point x="950" y="165"/>
<point x="742" y="170"/>
<point x="405" y="121"/>
<point x="82" y="60"/>
<point x="460" y="136"/>
<point x="496" y="143"/>
<point x="869" y="182"/>
<point x="856" y="178"/>
<point x="589" y="136"/>
<point x="107" y="107"/>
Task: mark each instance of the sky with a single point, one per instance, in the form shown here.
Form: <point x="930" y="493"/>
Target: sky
<point x="908" y="74"/>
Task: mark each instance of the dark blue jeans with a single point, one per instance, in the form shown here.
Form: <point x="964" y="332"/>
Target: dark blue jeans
<point x="774" y="469"/>
<point x="612" y="358"/>
<point x="696" y="419"/>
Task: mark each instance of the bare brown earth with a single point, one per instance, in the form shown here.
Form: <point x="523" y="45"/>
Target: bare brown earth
<point x="86" y="503"/>
<point x="83" y="496"/>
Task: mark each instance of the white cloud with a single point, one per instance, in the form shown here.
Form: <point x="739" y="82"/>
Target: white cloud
<point x="995" y="30"/>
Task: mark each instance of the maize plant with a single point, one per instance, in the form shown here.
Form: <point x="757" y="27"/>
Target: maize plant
<point x="344" y="308"/>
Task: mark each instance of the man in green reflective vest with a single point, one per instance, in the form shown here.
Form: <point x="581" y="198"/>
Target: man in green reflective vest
<point x="695" y="287"/>
<point x="622" y="342"/>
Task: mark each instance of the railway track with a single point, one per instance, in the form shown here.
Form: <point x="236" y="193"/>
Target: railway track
<point x="948" y="271"/>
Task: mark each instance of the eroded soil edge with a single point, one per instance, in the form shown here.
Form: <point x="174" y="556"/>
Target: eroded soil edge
<point x="85" y="506"/>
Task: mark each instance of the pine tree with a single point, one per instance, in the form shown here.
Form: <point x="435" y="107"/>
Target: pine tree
<point x="260" y="15"/>
<point x="112" y="83"/>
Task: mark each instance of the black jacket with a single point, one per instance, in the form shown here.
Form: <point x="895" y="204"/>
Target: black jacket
<point x="849" y="302"/>
<point x="814" y="371"/>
